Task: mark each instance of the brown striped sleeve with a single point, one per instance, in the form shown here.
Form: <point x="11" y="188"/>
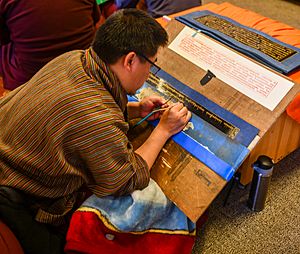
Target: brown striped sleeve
<point x="63" y="129"/>
<point x="103" y="146"/>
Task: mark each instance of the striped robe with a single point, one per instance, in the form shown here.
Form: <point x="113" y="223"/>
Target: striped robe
<point x="64" y="129"/>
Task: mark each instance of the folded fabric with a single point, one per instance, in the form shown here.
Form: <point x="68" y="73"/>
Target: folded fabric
<point x="144" y="222"/>
<point x="293" y="110"/>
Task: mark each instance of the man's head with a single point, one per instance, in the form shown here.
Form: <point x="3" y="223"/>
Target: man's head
<point x="123" y="40"/>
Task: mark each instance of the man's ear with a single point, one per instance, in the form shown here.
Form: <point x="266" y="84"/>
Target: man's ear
<point x="129" y="60"/>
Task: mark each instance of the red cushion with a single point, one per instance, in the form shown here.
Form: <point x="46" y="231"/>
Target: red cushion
<point x="9" y="244"/>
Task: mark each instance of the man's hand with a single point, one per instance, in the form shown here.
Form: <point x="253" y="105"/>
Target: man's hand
<point x="148" y="104"/>
<point x="144" y="107"/>
<point x="174" y="119"/>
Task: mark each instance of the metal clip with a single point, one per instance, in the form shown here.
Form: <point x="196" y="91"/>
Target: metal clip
<point x="208" y="76"/>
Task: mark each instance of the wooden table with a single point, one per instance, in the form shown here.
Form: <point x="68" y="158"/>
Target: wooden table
<point x="190" y="184"/>
<point x="283" y="137"/>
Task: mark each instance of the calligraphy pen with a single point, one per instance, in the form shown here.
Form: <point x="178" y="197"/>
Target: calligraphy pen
<point x="152" y="112"/>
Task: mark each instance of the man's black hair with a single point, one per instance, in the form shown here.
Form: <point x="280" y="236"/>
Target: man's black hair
<point x="128" y="30"/>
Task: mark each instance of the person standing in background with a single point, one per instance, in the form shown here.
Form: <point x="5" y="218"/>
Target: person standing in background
<point x="34" y="32"/>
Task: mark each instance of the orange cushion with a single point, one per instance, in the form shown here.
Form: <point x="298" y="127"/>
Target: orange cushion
<point x="293" y="110"/>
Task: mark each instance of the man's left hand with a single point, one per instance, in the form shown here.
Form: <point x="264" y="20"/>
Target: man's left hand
<point x="148" y="104"/>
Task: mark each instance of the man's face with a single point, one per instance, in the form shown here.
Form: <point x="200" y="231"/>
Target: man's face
<point x="140" y="73"/>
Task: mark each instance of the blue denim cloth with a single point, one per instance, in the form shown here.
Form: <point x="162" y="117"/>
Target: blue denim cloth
<point x="158" y="8"/>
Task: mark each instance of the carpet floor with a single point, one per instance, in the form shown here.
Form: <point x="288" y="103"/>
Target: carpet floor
<point x="274" y="230"/>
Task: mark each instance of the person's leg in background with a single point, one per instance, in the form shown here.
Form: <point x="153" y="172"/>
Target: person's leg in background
<point x="141" y="5"/>
<point x="121" y="4"/>
<point x="107" y="7"/>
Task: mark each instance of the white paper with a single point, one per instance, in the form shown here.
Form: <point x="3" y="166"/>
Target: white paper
<point x="249" y="78"/>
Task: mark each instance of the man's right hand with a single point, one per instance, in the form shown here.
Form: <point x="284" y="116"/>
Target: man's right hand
<point x="174" y="119"/>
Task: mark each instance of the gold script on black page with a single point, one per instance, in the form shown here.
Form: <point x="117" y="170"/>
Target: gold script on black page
<point x="249" y="38"/>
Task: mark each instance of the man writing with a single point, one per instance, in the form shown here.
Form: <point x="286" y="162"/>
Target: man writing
<point x="65" y="130"/>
